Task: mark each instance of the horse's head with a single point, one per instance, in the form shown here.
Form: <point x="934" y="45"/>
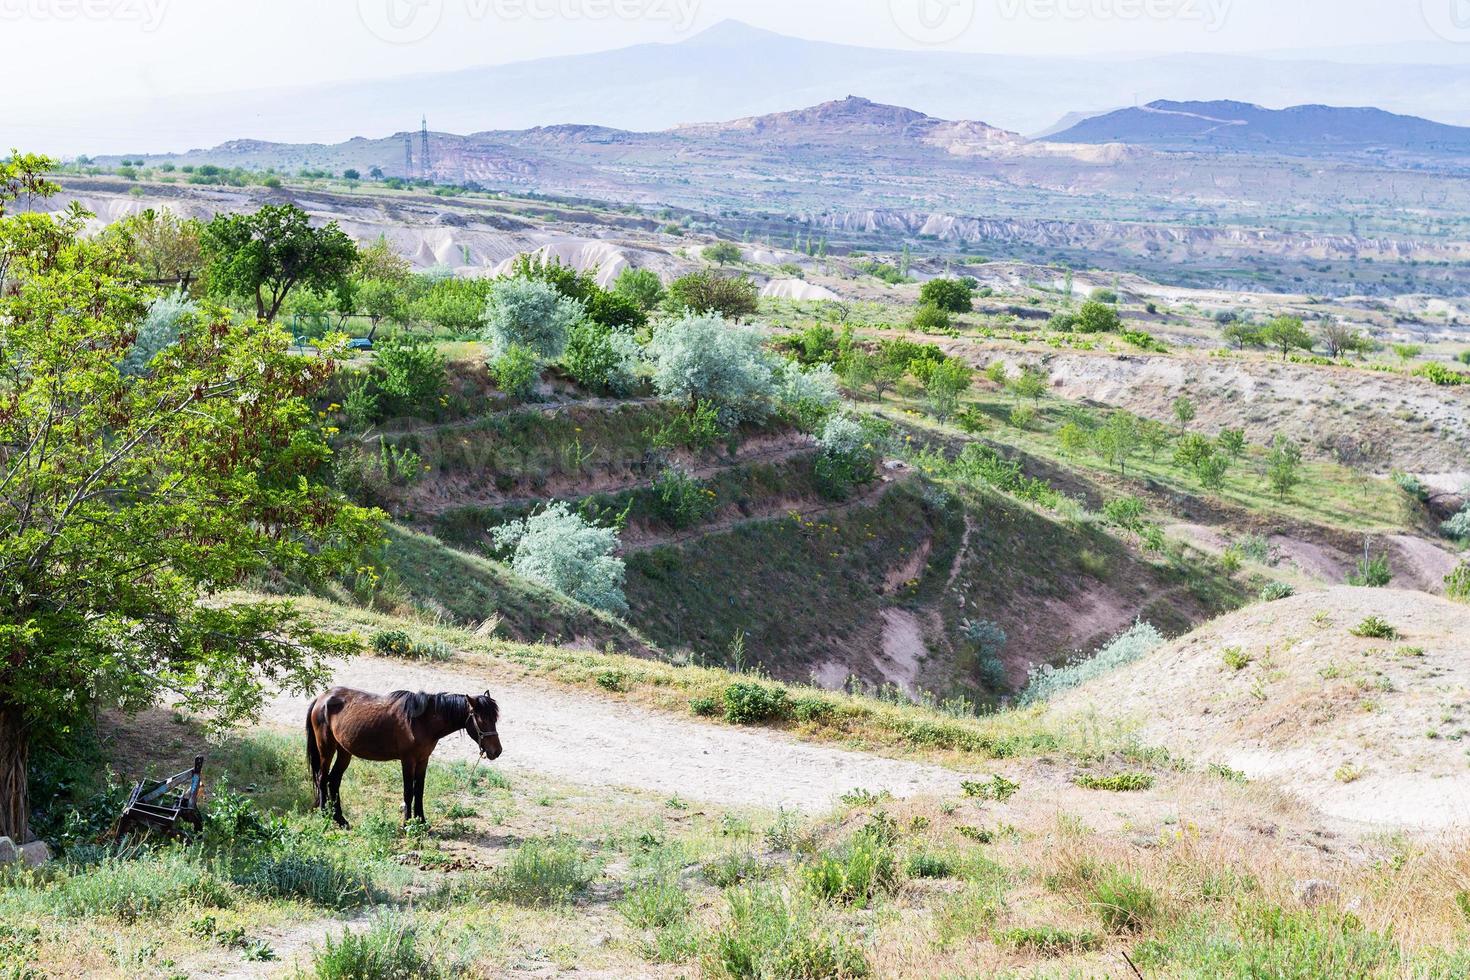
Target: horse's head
<point x="483" y="717"/>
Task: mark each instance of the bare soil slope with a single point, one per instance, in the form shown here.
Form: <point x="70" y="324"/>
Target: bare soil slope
<point x="1366" y="728"/>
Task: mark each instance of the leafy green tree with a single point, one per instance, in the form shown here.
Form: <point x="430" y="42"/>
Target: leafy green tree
<point x="1073" y="438"/>
<point x="1286" y="334"/>
<point x="733" y="298"/>
<point x="1030" y="383"/>
<point x="168" y="249"/>
<point x="1117" y="440"/>
<point x="530" y="313"/>
<point x="603" y="360"/>
<point x="947" y="382"/>
<point x="722" y="253"/>
<point x="1339" y="339"/>
<point x="1232" y="442"/>
<point x="1242" y="334"/>
<point x="1097" y="317"/>
<point x="273" y="251"/>
<point x="1184" y="412"/>
<point x="950" y="295"/>
<point x="516" y="371"/>
<point x="128" y="498"/>
<point x="642" y="286"/>
<point x="1153" y="435"/>
<point x="1283" y="467"/>
<point x="454" y="305"/>
<point x="410" y="377"/>
<point x="995" y="373"/>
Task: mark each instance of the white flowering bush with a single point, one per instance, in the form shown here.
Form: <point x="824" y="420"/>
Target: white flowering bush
<point x="704" y="357"/>
<point x="849" y="455"/>
<point x="531" y="314"/>
<point x="558" y="549"/>
<point x="160" y="328"/>
<point x="806" y="397"/>
<point x="1130" y="645"/>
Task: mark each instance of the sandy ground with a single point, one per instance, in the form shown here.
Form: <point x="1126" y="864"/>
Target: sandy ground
<point x="1369" y="730"/>
<point x="594" y="742"/>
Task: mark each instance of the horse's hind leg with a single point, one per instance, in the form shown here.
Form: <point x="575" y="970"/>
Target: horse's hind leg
<point x="420" y="774"/>
<point x="334" y="785"/>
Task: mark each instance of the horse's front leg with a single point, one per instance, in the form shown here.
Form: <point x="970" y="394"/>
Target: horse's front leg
<point x="418" y="790"/>
<point x="409" y="781"/>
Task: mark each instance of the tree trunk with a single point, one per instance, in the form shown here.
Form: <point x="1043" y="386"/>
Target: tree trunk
<point x="15" y="808"/>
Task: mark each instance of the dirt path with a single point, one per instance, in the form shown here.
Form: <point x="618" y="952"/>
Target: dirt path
<point x="595" y="742"/>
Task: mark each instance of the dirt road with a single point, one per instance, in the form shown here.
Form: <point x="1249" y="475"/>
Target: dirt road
<point x="592" y="741"/>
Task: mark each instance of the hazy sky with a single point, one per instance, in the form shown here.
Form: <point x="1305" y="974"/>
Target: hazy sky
<point x="60" y="52"/>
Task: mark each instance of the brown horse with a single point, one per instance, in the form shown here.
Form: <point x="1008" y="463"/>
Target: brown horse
<point x="343" y="723"/>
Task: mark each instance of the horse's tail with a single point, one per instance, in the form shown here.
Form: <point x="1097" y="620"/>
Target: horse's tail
<point x="313" y="751"/>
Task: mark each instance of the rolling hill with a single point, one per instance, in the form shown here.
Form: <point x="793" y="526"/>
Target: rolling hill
<point x="1317" y="130"/>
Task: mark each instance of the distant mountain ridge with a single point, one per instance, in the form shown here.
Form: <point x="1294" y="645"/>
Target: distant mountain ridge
<point x="1223" y="124"/>
<point x="730" y="71"/>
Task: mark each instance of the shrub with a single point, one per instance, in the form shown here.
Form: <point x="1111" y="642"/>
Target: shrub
<point x="160" y="328"/>
<point x="930" y="319"/>
<point x="1128" y="646"/>
<point x="603" y="360"/>
<point x="532" y="314"/>
<point x="927" y="864"/>
<point x="655" y="903"/>
<point x="732" y="868"/>
<point x="806" y="398"/>
<point x="998" y="788"/>
<point x="516" y="372"/>
<point x="141" y="888"/>
<point x="748" y="703"/>
<point x="704" y="706"/>
<point x="950" y="295"/>
<point x="703" y="357"/>
<point x="1123" y="903"/>
<point x="682" y="501"/>
<point x="386" y="951"/>
<point x="850" y="449"/>
<point x="397" y="643"/>
<point x="410" y="377"/>
<point x="543" y="872"/>
<point x="697" y="428"/>
<point x="560" y="550"/>
<point x="859" y="872"/>
<point x="1373" y="573"/>
<point x="1375" y="628"/>
<point x="767" y="934"/>
<point x="1122" y="782"/>
<point x="1457" y="527"/>
<point x="1457" y="583"/>
<point x="1236" y="659"/>
<point x="1097" y="317"/>
<point x="812" y="709"/>
<point x="1049" y="941"/>
<point x="989" y="640"/>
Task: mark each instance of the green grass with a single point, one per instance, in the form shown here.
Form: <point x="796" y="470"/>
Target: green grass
<point x="767" y="933"/>
<point x="388" y="950"/>
<point x="1120" y="782"/>
<point x="543" y="872"/>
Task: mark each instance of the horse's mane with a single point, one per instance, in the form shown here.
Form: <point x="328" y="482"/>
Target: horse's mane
<point x="453" y="708"/>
